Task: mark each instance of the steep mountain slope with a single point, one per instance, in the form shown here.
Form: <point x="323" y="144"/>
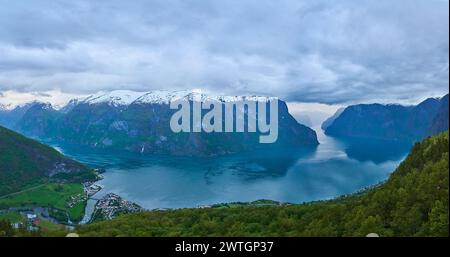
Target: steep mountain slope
<point x="440" y="121"/>
<point x="25" y="162"/>
<point x="8" y="118"/>
<point x="140" y="122"/>
<point x="40" y="120"/>
<point x="3" y="113"/>
<point x="413" y="202"/>
<point x="392" y="122"/>
<point x="331" y="119"/>
<point x="145" y="127"/>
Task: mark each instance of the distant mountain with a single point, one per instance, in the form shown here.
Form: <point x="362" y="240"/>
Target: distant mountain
<point x="392" y="122"/>
<point x="440" y="121"/>
<point x="330" y="120"/>
<point x="69" y="106"/>
<point x="3" y="112"/>
<point x="140" y="122"/>
<point x="40" y="120"/>
<point x="25" y="162"/>
<point x="9" y="117"/>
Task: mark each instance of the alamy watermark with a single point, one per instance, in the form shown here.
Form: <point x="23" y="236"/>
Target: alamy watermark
<point x="249" y="115"/>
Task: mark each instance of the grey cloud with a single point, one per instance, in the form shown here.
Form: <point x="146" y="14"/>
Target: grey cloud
<point x="41" y="94"/>
<point x="313" y="51"/>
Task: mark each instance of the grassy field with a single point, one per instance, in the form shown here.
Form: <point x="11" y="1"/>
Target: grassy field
<point x="49" y="195"/>
<point x="11" y="216"/>
<point x="76" y="213"/>
<point x="48" y="226"/>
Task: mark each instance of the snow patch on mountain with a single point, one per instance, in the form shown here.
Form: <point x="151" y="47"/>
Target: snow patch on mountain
<point x="126" y="97"/>
<point x="161" y="97"/>
<point x="114" y="98"/>
<point x="11" y="107"/>
<point x="6" y="108"/>
<point x="47" y="106"/>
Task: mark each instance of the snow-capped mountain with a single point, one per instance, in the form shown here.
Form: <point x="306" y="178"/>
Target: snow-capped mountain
<point x="114" y="98"/>
<point x="6" y="107"/>
<point x="164" y="97"/>
<point x="140" y="122"/>
<point x="70" y="105"/>
<point x="125" y="97"/>
<point x="11" y="115"/>
<point x="39" y="120"/>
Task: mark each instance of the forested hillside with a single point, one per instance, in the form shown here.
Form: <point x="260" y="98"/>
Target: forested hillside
<point x="25" y="163"/>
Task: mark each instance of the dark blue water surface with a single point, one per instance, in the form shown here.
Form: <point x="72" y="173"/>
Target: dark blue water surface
<point x="336" y="167"/>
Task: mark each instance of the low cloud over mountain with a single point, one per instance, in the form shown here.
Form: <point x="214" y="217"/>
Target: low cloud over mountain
<point x="305" y="51"/>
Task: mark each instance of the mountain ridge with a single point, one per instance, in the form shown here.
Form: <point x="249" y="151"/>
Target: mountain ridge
<point x="24" y="162"/>
<point x="128" y="97"/>
<point x="393" y="121"/>
<point x="140" y="122"/>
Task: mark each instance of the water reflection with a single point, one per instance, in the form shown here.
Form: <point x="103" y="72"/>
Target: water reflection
<point x="377" y="151"/>
<point x="334" y="168"/>
<point x="364" y="150"/>
<point x="249" y="165"/>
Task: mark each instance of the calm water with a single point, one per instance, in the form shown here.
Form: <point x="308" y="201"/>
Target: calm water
<point x="334" y="168"/>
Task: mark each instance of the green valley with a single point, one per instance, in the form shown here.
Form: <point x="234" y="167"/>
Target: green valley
<point x="52" y="195"/>
<point x="33" y="175"/>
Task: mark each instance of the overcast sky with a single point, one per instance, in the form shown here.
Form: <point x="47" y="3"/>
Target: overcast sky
<point x="334" y="52"/>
